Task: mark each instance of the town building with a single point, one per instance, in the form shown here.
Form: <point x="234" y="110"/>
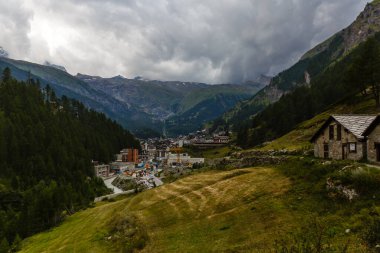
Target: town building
<point x="102" y="170"/>
<point x="161" y="154"/>
<point x="352" y="137"/>
<point x="133" y="155"/>
<point x="128" y="155"/>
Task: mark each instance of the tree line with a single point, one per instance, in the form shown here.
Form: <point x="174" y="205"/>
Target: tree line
<point x="46" y="148"/>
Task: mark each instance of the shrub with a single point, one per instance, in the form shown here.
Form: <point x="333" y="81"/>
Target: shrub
<point x="127" y="233"/>
<point x="372" y="231"/>
<point x="4" y="246"/>
<point x="365" y="182"/>
<point x="315" y="237"/>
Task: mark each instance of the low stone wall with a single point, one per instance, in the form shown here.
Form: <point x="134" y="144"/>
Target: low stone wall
<point x="252" y="161"/>
<point x="111" y="196"/>
<point x="269" y="153"/>
<point x="262" y="160"/>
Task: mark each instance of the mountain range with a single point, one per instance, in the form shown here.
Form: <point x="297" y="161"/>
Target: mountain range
<point x="145" y="107"/>
<point x="148" y="107"/>
<point x="181" y="106"/>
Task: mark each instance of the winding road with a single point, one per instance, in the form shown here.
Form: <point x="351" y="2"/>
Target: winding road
<point x="108" y="183"/>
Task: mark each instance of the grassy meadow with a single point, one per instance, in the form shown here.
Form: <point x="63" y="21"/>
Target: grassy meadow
<point x="244" y="210"/>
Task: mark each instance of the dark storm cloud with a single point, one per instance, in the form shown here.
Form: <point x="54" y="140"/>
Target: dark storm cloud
<point x="210" y="40"/>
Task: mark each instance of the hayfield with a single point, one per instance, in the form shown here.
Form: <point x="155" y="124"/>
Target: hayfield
<point x="212" y="211"/>
<point x="242" y="210"/>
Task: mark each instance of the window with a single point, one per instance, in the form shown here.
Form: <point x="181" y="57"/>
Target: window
<point x="326" y="151"/>
<point x="331" y="132"/>
<point x="339" y="132"/>
<point x="352" y="147"/>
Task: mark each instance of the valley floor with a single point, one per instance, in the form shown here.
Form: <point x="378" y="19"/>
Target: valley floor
<point x="243" y="210"/>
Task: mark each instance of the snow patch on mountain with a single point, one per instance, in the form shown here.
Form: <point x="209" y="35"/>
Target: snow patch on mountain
<point x="3" y="53"/>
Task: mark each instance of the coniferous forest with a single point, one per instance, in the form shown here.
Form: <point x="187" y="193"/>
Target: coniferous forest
<point x="47" y="145"/>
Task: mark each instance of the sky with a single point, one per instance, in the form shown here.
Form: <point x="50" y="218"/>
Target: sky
<point x="211" y="41"/>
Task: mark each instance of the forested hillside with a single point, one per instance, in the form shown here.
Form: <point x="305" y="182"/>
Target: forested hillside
<point x="311" y="65"/>
<point x="46" y="147"/>
<point x="67" y="85"/>
<point x="356" y="73"/>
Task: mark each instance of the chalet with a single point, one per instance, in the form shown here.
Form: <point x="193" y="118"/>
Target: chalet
<point x="353" y="137"/>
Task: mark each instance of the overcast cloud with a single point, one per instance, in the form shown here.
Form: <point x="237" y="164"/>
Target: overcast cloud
<point x="210" y="41"/>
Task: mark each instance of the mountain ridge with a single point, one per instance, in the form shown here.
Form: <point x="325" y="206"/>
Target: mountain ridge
<point x="173" y="100"/>
<point x="310" y="64"/>
<point x="135" y="103"/>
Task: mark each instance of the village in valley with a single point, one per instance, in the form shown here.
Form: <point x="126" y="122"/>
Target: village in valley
<point x="135" y="170"/>
<point x="161" y="159"/>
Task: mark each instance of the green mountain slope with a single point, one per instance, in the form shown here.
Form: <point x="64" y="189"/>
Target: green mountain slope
<point x="311" y="64"/>
<point x="210" y="107"/>
<point x="343" y="80"/>
<point x="182" y="217"/>
<point x="65" y="84"/>
<point x="46" y="148"/>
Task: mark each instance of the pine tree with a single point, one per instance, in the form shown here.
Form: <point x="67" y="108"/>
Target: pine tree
<point x="7" y="74"/>
<point x="4" y="246"/>
<point x="16" y="245"/>
<point x="364" y="71"/>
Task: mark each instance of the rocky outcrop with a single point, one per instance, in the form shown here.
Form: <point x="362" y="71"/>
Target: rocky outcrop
<point x="366" y="25"/>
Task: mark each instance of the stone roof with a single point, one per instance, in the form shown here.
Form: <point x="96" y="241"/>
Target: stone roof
<point x="356" y="124"/>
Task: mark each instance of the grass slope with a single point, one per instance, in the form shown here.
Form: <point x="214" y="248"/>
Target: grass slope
<point x="244" y="210"/>
<point x="213" y="211"/>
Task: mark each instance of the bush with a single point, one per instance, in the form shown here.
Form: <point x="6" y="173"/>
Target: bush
<point x="126" y="233"/>
<point x="372" y="231"/>
<point x="365" y="182"/>
<point x="4" y="246"/>
<point x="315" y="237"/>
<point x="311" y="170"/>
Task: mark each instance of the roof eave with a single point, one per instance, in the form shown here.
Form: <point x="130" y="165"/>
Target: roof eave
<point x="315" y="136"/>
